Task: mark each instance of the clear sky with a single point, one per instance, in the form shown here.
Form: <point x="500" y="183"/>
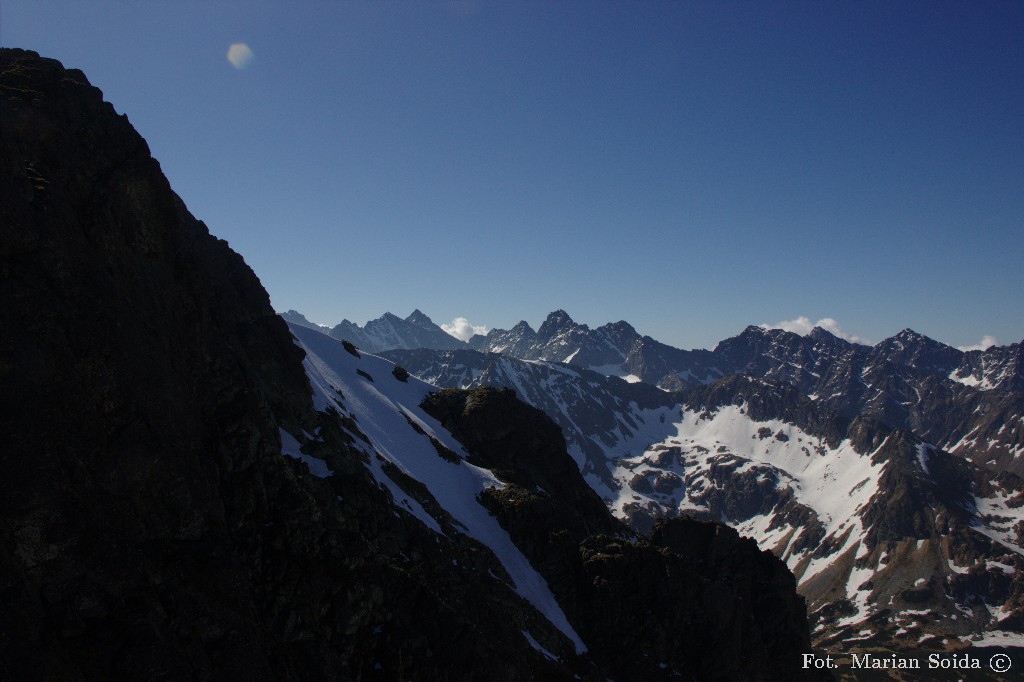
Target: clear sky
<point x="690" y="167"/>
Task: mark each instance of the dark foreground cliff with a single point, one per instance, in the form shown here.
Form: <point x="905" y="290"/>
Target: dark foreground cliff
<point x="150" y="527"/>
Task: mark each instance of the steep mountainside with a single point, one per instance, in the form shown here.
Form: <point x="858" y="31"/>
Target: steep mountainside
<point x="967" y="403"/>
<point x="878" y="526"/>
<point x="191" y="492"/>
<point x="597" y="413"/>
<point x="151" y="528"/>
<point x="679" y="601"/>
<point x="884" y="532"/>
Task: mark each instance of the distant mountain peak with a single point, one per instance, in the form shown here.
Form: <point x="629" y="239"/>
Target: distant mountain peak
<point x="559" y="317"/>
<point x="300" y="319"/>
<point x="825" y="336"/>
<point x="418" y="318"/>
<point x="757" y="331"/>
<point x="555" y="322"/>
<point x="621" y="326"/>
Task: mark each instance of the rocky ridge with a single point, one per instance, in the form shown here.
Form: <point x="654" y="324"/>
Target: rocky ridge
<point x="970" y="403"/>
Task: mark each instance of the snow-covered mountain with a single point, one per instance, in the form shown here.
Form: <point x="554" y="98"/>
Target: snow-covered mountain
<point x="967" y="403"/>
<point x="996" y="367"/>
<point x="845" y="501"/>
<point x="392" y="429"/>
<point x="482" y="467"/>
<point x="885" y="533"/>
<point x="885" y="476"/>
<point x="970" y="403"/>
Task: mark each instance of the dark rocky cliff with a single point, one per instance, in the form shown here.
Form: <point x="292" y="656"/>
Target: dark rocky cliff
<point x="150" y="527"/>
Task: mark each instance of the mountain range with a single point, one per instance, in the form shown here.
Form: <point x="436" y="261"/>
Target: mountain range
<point x="886" y="476"/>
<point x="966" y="402"/>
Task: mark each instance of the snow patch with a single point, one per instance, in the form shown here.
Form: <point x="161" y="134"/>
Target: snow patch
<point x="537" y="646"/>
<point x="999" y="638"/>
<point x="924" y="452"/>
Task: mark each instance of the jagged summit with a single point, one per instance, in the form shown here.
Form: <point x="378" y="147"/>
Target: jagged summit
<point x="917" y="351"/>
<point x="420" y="320"/>
<point x="555" y="323"/>
<point x="825" y="336"/>
<point x="296" y="317"/>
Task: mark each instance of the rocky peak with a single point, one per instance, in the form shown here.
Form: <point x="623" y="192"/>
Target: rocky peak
<point x="824" y="336"/>
<point x="622" y="335"/>
<point x="918" y="352"/>
<point x="420" y="320"/>
<point x="754" y="349"/>
<point x="754" y="335"/>
<point x="555" y="322"/>
<point x="296" y="317"/>
<point x="621" y="327"/>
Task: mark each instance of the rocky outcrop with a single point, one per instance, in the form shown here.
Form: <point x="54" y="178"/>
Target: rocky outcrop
<point x="649" y="609"/>
<point x="594" y="411"/>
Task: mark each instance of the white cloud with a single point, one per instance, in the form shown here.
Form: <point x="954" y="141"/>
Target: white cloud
<point x="461" y="329"/>
<point x="986" y="342"/>
<point x="803" y="326"/>
<point x="240" y="55"/>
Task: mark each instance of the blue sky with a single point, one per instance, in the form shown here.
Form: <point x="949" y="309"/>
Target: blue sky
<point x="691" y="167"/>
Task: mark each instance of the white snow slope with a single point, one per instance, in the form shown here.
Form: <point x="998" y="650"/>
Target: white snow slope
<point x="779" y="485"/>
<point x="382" y="408"/>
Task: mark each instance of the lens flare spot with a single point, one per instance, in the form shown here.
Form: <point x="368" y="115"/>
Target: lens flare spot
<point x="240" y="55"/>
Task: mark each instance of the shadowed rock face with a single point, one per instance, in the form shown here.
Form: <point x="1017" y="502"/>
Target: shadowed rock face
<point x="135" y="348"/>
<point x="150" y="527"/>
